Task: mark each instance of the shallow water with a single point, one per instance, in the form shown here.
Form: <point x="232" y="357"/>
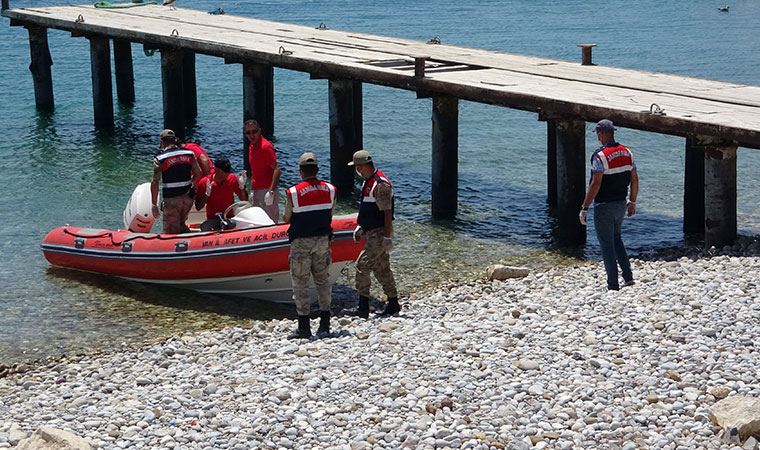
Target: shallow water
<point x="59" y="170"/>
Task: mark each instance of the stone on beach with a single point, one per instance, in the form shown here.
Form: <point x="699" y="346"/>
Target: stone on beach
<point x="500" y="272"/>
<point x="737" y="413"/>
<point x="46" y="438"/>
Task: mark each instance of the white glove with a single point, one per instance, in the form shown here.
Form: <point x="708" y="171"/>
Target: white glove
<point x="208" y="188"/>
<point x="269" y="198"/>
<point x="387" y="244"/>
<point x="241" y="180"/>
<point x="583" y="216"/>
<point x="358" y="233"/>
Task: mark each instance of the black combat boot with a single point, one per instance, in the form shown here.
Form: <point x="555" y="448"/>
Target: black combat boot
<point x="304" y="329"/>
<point x="391" y="308"/>
<point x="324" y="323"/>
<point x="363" y="310"/>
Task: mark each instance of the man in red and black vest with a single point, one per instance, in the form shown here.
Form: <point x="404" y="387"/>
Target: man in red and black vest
<point x="308" y="210"/>
<point x="376" y="225"/>
<point x="175" y="167"/>
<point x="612" y="171"/>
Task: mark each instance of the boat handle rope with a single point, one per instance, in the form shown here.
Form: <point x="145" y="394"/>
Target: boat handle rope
<point x="109" y="234"/>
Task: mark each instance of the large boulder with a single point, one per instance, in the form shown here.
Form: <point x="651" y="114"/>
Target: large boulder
<point x="738" y="413"/>
<point x="53" y="439"/>
<point x="500" y="272"/>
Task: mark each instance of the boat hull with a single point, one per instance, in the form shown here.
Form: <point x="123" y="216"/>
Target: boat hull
<point x="251" y="262"/>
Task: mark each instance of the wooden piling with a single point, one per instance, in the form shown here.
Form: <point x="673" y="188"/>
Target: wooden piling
<point x="40" y="68"/>
<point x="173" y="90"/>
<point x="551" y="163"/>
<point x="358" y="109"/>
<point x="189" y="92"/>
<point x="445" y="177"/>
<point x="102" y="89"/>
<point x="258" y="96"/>
<point x="5" y="4"/>
<point x="720" y="193"/>
<point x="343" y="131"/>
<point x="124" y="71"/>
<point x="571" y="185"/>
<point x="694" y="187"/>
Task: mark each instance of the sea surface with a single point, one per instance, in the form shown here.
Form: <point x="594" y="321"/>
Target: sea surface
<point x="58" y="170"/>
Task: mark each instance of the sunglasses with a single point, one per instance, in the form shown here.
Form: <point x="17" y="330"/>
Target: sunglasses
<point x="252" y="132"/>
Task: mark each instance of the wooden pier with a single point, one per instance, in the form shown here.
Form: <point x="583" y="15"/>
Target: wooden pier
<point x="713" y="117"/>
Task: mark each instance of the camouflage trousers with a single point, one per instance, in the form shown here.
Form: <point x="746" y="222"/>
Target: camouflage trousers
<point x="310" y="256"/>
<point x="374" y="259"/>
<point x="175" y="211"/>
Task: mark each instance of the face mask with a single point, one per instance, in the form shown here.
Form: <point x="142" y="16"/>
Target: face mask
<point x="358" y="173"/>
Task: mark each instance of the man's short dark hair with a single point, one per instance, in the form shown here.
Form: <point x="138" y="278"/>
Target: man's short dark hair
<point x="309" y="170"/>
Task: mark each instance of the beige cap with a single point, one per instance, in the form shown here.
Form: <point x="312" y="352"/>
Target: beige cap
<point x="165" y="134"/>
<point x="361" y="157"/>
<point x="308" y="159"/>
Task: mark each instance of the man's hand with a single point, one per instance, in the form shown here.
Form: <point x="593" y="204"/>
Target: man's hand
<point x="156" y="212"/>
<point x="387" y="244"/>
<point x="583" y="216"/>
<point x="269" y="198"/>
<point x="242" y="180"/>
<point x="208" y="188"/>
<point x="358" y="233"/>
<point x="631" y="207"/>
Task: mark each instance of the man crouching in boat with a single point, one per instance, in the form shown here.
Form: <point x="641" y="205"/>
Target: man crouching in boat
<point x="308" y="210"/>
<point x="175" y="167"/>
<point x="217" y="191"/>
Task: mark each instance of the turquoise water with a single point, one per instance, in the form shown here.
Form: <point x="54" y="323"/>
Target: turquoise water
<point x="59" y="170"/>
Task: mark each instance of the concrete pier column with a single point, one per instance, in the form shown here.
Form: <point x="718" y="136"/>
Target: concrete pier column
<point x="720" y="193"/>
<point x="102" y="89"/>
<point x="40" y="68"/>
<point x="571" y="180"/>
<point x="694" y="186"/>
<point x="445" y="176"/>
<point x="125" y="77"/>
<point x="173" y="90"/>
<point x="344" y="138"/>
<point x="258" y="96"/>
<point x="551" y="163"/>
<point x="189" y="91"/>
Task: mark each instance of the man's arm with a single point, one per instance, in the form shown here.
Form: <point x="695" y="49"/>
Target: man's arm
<point x="384" y="198"/>
<point x="275" y="176"/>
<point x="288" y="209"/>
<point x="593" y="189"/>
<point x="196" y="169"/>
<point x="154" y="189"/>
<point x="631" y="206"/>
<point x="204" y="165"/>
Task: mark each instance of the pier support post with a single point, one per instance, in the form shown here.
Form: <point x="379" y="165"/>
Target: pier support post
<point x="720" y="193"/>
<point x="173" y="90"/>
<point x="40" y="68"/>
<point x="551" y="163"/>
<point x="571" y="186"/>
<point x="102" y="89"/>
<point x="125" y="77"/>
<point x="258" y="96"/>
<point x="189" y="91"/>
<point x="445" y="176"/>
<point x="343" y="131"/>
<point x="694" y="186"/>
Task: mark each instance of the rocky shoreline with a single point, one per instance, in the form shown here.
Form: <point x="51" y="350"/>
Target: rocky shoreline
<point x="547" y="361"/>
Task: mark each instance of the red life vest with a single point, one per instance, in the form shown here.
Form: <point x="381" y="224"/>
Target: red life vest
<point x="370" y="216"/>
<point x="312" y="202"/>
<point x="617" y="161"/>
<point x="176" y="171"/>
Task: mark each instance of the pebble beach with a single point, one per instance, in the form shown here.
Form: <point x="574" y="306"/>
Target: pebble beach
<point x="551" y="360"/>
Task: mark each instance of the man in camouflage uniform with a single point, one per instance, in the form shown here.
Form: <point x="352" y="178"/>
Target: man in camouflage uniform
<point x="308" y="210"/>
<point x="175" y="168"/>
<point x="376" y="225"/>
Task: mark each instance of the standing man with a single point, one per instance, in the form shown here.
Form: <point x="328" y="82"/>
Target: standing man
<point x="176" y="168"/>
<point x="308" y="210"/>
<point x="217" y="191"/>
<point x="612" y="170"/>
<point x="376" y="225"/>
<point x="265" y="172"/>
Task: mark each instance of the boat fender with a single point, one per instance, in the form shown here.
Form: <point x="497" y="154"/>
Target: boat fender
<point x="126" y="247"/>
<point x="79" y="243"/>
<point x="181" y="246"/>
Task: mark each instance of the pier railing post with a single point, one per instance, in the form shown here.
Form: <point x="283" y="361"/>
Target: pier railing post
<point x="445" y="176"/>
<point x="40" y="68"/>
<point x="720" y="193"/>
<point x="173" y="90"/>
<point x="102" y="89"/>
<point x="344" y="113"/>
<point x="571" y="186"/>
<point x="124" y="71"/>
<point x="189" y="91"/>
<point x="694" y="187"/>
